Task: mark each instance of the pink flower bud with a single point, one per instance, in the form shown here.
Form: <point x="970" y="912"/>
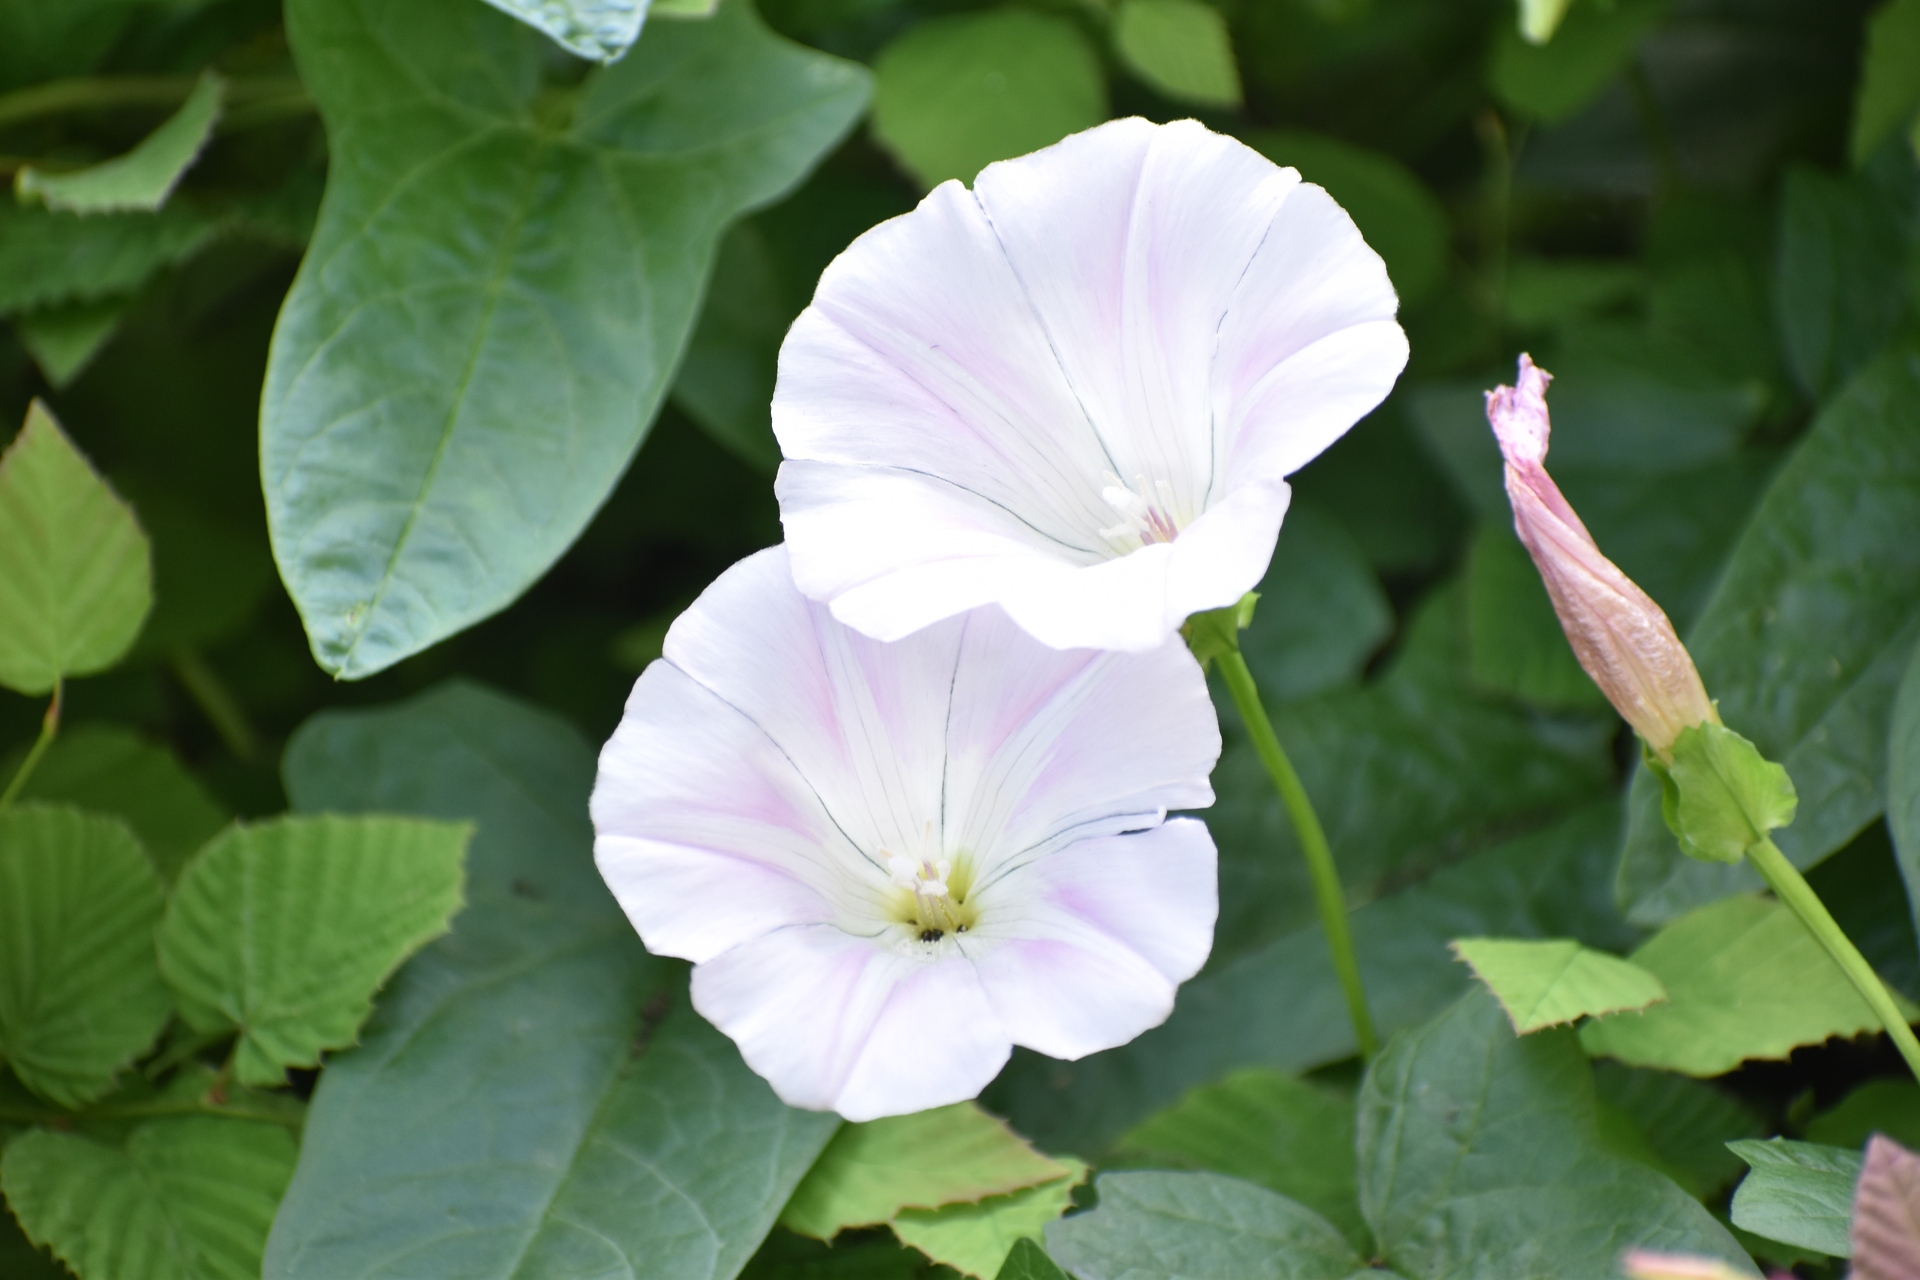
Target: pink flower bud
<point x="1619" y="634"/>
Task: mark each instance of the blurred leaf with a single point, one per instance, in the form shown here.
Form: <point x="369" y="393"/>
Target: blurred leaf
<point x="1547" y="982"/>
<point x="1260" y="1125"/>
<point x="950" y="1155"/>
<point x="1889" y="94"/>
<point x="143" y="178"/>
<point x="111" y="770"/>
<point x="1799" y="1192"/>
<point x="1841" y="287"/>
<point x="1685" y="1124"/>
<point x="1180" y="47"/>
<point x="977" y="1239"/>
<point x="1903" y="781"/>
<point x="1545" y="292"/>
<point x="284" y="930"/>
<point x="184" y="1199"/>
<point x="1744" y="980"/>
<point x="1552" y="81"/>
<point x="1401" y="219"/>
<point x="1476" y="1145"/>
<point x="1885" y="1233"/>
<point x="210" y="577"/>
<point x="1029" y="1261"/>
<point x="47" y="258"/>
<point x="63" y="340"/>
<point x="1891" y="1107"/>
<point x="1518" y="646"/>
<point x="867" y="1255"/>
<point x="75" y="578"/>
<point x="1321" y="613"/>
<point x="496" y="1121"/>
<point x="1198" y="1226"/>
<point x="725" y="382"/>
<point x="422" y="468"/>
<point x="20" y="1259"/>
<point x="600" y="30"/>
<point x="80" y="991"/>
<point x="956" y="93"/>
<point x="1807" y="635"/>
<point x="1539" y="19"/>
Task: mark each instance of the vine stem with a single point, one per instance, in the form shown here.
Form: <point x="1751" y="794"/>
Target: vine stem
<point x="1792" y="888"/>
<point x="1327" y="895"/>
<point x="49" y="728"/>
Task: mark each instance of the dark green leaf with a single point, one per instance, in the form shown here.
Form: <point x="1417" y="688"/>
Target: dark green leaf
<point x="1479" y="1156"/>
<point x="1198" y="1226"/>
<point x="51" y="258"/>
<point x="63" y="340"/>
<point x="1800" y="1193"/>
<point x="1889" y="94"/>
<point x="1903" y="781"/>
<point x="1517" y="644"/>
<point x="20" y="1258"/>
<point x="1685" y="1125"/>
<point x="1841" y="284"/>
<point x="954" y="94"/>
<point x="1029" y="1261"/>
<point x="725" y="382"/>
<point x="502" y="278"/>
<point x="1321" y="613"/>
<point x="1550" y="81"/>
<point x="1180" y="47"/>
<point x="1807" y="635"/>
<point x="80" y="991"/>
<point x="495" y="1121"/>
<point x="1891" y="1107"/>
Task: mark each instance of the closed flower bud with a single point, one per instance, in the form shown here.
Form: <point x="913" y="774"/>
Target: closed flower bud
<point x="1619" y="634"/>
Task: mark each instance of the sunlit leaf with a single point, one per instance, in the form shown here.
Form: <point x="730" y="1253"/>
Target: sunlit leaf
<point x="76" y="580"/>
<point x="1551" y="981"/>
<point x="956" y="93"/>
<point x="1180" y="47"/>
<point x="143" y="178"/>
<point x="284" y="930"/>
<point x="1800" y="1193"/>
<point x="977" y="1239"/>
<point x="80" y="991"/>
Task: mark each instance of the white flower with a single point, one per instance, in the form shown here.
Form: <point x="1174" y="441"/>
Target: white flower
<point x="1077" y="390"/>
<point x="890" y="863"/>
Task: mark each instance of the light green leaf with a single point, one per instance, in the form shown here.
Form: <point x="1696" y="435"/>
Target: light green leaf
<point x="1321" y="614"/>
<point x="1889" y="94"/>
<point x="142" y="179"/>
<point x="1891" y="1107"/>
<point x="1744" y="980"/>
<point x="495" y="1122"/>
<point x="1800" y="1193"/>
<point x="456" y="383"/>
<point x="1029" y="1261"/>
<point x="956" y="93"/>
<point x="1518" y="646"/>
<point x="63" y="340"/>
<point x="1806" y="637"/>
<point x="950" y="1155"/>
<point x="1180" y="47"/>
<point x="1198" y="1226"/>
<point x="284" y="930"/>
<point x="1480" y="1157"/>
<point x="1539" y="19"/>
<point x="184" y="1199"/>
<point x="1683" y="1125"/>
<point x="1552" y="81"/>
<point x="1262" y="1126"/>
<point x="1722" y="796"/>
<point x="1401" y="219"/>
<point x="977" y="1239"/>
<point x="1551" y="981"/>
<point x="80" y="992"/>
<point x="75" y="576"/>
<point x="48" y="259"/>
<point x="110" y="770"/>
<point x="600" y="30"/>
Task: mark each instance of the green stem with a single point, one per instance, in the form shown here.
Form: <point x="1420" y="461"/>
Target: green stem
<point x="1313" y="846"/>
<point x="1792" y="888"/>
<point x="210" y="693"/>
<point x="49" y="728"/>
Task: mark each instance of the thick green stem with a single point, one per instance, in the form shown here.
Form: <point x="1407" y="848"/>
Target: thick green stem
<point x="49" y="729"/>
<point x="1792" y="888"/>
<point x="1313" y="846"/>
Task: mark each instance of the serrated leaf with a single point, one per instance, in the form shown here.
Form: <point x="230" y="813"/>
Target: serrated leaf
<point x="63" y="340"/>
<point x="1551" y="981"/>
<point x="184" y="1199"/>
<point x="110" y="770"/>
<point x="1886" y="1214"/>
<point x="143" y="178"/>
<point x="1265" y="1127"/>
<point x="1799" y="1193"/>
<point x="1180" y="47"/>
<point x="495" y="1123"/>
<point x="950" y="1155"/>
<point x="284" y="930"/>
<point x="977" y="1239"/>
<point x="502" y="278"/>
<point x="48" y="259"/>
<point x="1198" y="1226"/>
<point x="1889" y="94"/>
<point x="1744" y="980"/>
<point x="598" y="29"/>
<point x="80" y="991"/>
<point x="1028" y="1261"/>
<point x="76" y="579"/>
<point x="956" y="93"/>
<point x="1806" y="637"/>
<point x="1480" y="1156"/>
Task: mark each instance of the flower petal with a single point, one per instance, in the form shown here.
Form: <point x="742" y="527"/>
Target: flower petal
<point x="1084" y="948"/>
<point x="835" y="1023"/>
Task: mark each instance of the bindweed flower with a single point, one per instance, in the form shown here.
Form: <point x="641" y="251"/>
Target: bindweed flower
<point x="1621" y="637"/>
<point x="889" y="863"/>
<point x="1076" y="391"/>
<point x="1646" y="1264"/>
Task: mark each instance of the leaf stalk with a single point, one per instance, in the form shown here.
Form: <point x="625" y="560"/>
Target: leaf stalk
<point x="49" y="729"/>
